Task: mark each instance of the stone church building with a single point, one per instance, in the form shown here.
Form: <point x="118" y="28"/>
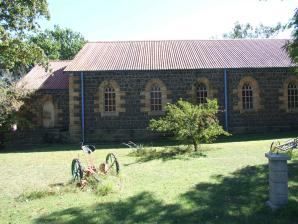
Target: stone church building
<point x="111" y="90"/>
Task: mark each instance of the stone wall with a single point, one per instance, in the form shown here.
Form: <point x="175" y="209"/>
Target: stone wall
<point x="131" y="121"/>
<point x="271" y="113"/>
<point x="35" y="131"/>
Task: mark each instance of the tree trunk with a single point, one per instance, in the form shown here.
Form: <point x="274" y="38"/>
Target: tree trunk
<point x="195" y="144"/>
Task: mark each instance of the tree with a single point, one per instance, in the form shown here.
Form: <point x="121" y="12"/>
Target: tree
<point x="17" y="19"/>
<point x="11" y="99"/>
<point x="59" y="43"/>
<point x="292" y="46"/>
<point x="186" y="121"/>
<point x="242" y="31"/>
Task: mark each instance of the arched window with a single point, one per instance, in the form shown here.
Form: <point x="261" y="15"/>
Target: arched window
<point x="247" y="97"/>
<point x="248" y="94"/>
<point x="109" y="99"/>
<point x="155" y="98"/>
<point x="292" y="96"/>
<point x="48" y="114"/>
<point x="201" y="93"/>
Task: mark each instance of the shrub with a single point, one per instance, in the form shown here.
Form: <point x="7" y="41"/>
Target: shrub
<point x="187" y="121"/>
<point x="104" y="189"/>
<point x="106" y="185"/>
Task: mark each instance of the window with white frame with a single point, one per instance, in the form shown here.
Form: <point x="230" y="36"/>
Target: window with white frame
<point x="247" y="97"/>
<point x="109" y="99"/>
<point x="201" y="93"/>
<point x="292" y="96"/>
<point x="155" y="98"/>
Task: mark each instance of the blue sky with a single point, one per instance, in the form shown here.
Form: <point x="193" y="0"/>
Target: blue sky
<point x="104" y="20"/>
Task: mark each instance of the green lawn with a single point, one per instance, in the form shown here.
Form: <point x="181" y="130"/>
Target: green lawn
<point x="227" y="183"/>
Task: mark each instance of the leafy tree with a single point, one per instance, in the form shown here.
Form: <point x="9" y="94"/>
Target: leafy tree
<point x="292" y="46"/>
<point x="59" y="43"/>
<point x="11" y="99"/>
<point x="242" y="31"/>
<point x="186" y="121"/>
<point x="17" y="19"/>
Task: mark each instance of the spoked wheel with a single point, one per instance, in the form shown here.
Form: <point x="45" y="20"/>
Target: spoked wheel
<point x="273" y="147"/>
<point x="113" y="164"/>
<point x="76" y="170"/>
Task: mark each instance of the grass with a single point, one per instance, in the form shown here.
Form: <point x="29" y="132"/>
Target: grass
<point x="225" y="183"/>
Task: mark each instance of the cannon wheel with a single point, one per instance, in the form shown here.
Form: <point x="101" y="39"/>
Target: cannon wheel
<point x="113" y="164"/>
<point x="273" y="146"/>
<point x="76" y="170"/>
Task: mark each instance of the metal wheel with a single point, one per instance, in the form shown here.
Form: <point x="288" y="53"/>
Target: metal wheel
<point x="273" y="147"/>
<point x="113" y="164"/>
<point x="76" y="170"/>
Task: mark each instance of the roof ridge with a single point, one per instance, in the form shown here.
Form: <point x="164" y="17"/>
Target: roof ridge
<point x="180" y="54"/>
<point x="237" y="39"/>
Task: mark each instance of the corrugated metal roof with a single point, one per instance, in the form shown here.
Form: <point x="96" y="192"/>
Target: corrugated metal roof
<point x="38" y="78"/>
<point x="181" y="54"/>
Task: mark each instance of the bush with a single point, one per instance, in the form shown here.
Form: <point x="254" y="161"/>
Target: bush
<point x="197" y="123"/>
<point x="104" y="189"/>
<point x="12" y="98"/>
<point x="106" y="185"/>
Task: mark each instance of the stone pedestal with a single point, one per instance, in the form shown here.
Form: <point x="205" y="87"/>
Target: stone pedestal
<point x="278" y="180"/>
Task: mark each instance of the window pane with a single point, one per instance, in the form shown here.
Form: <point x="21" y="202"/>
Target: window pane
<point x="155" y="98"/>
<point x="201" y="94"/>
<point x="247" y="97"/>
<point x="109" y="99"/>
<point x="292" y="96"/>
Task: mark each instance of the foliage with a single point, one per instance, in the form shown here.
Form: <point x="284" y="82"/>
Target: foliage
<point x="59" y="43"/>
<point x="104" y="189"/>
<point x="137" y="148"/>
<point x="11" y="99"/>
<point x="197" y="123"/>
<point x="107" y="184"/>
<point x="242" y="31"/>
<point x="292" y="46"/>
<point x="17" y="19"/>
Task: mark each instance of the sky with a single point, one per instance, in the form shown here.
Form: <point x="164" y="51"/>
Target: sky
<point x="111" y="20"/>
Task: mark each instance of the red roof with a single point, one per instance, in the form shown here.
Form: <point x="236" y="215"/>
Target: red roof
<point x="38" y="78"/>
<point x="181" y="54"/>
<point x="162" y="55"/>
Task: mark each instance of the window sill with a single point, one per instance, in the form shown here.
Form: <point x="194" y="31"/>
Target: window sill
<point x="292" y="111"/>
<point x="110" y="114"/>
<point x="156" y="113"/>
<point x="248" y="111"/>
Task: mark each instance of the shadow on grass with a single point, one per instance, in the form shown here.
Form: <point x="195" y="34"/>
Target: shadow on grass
<point x="165" y="154"/>
<point x="257" y="137"/>
<point x="54" y="147"/>
<point x="237" y="198"/>
<point x="161" y="142"/>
